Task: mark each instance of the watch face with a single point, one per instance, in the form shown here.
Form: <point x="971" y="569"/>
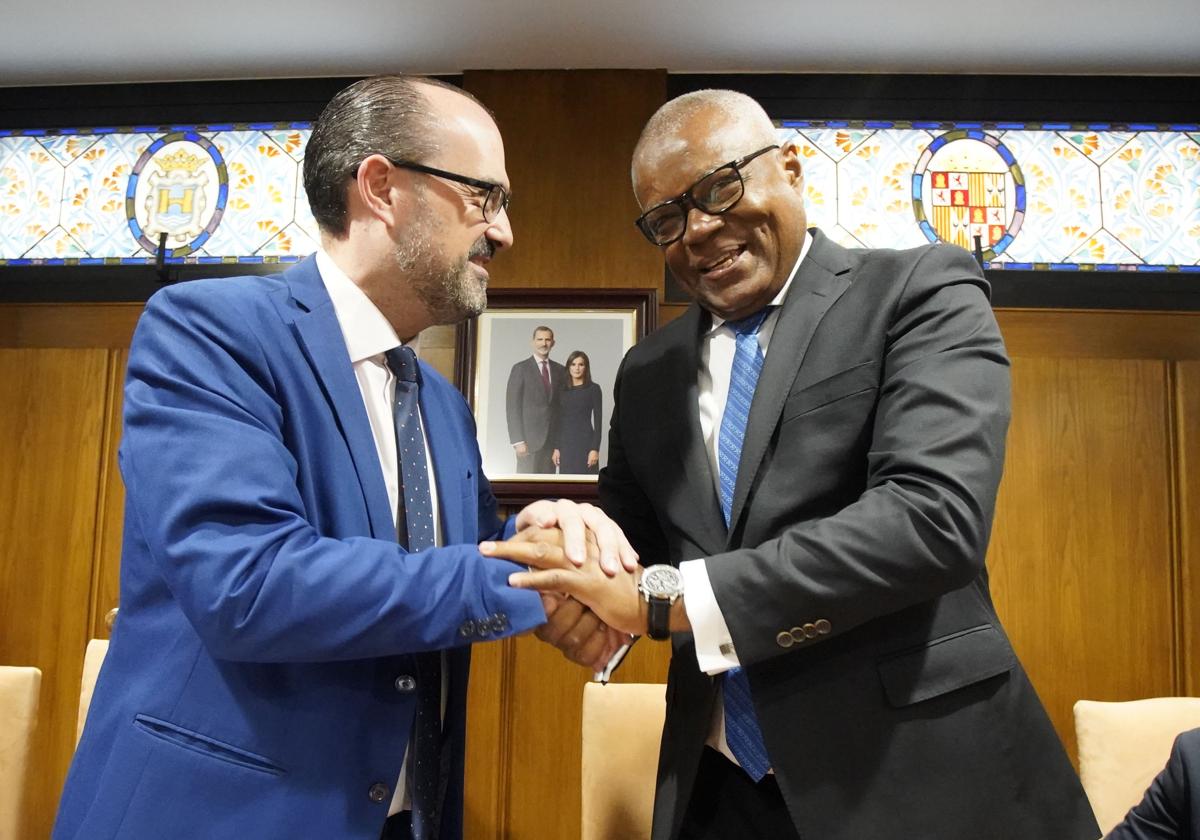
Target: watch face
<point x="661" y="581"/>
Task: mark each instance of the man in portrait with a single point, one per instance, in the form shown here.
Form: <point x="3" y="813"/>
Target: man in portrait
<point x="531" y="400"/>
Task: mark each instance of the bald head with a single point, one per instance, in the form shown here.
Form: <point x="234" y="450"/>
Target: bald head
<point x="666" y="133"/>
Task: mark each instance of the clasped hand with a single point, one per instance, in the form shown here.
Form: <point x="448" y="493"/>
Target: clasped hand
<point x="577" y="550"/>
<point x="613" y="596"/>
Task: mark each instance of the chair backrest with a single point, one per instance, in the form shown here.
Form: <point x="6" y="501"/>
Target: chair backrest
<point x="1123" y="746"/>
<point x="19" y="688"/>
<point x="93" y="658"/>
<point x="622" y="729"/>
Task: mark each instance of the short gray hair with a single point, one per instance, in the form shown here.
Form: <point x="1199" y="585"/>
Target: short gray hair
<point x="669" y="119"/>
<point x="386" y="115"/>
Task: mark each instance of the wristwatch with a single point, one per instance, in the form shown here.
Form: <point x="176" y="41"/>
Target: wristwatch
<point x="660" y="585"/>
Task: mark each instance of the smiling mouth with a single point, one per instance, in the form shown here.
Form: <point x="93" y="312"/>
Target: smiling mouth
<point x="720" y="264"/>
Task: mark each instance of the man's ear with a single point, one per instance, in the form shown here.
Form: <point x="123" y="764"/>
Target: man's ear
<point x="793" y="168"/>
<point x="379" y="188"/>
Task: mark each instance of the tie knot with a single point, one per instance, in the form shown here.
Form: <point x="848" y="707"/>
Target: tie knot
<point x="403" y="363"/>
<point x="750" y="324"/>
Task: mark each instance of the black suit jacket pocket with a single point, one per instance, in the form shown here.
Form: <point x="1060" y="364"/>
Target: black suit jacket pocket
<point x="944" y="665"/>
<point x="845" y="383"/>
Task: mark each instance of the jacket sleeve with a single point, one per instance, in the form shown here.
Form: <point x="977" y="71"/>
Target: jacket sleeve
<point x="1164" y="811"/>
<point x="212" y="492"/>
<point x="622" y="497"/>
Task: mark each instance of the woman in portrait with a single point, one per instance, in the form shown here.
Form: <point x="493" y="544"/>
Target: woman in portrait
<point x="577" y="429"/>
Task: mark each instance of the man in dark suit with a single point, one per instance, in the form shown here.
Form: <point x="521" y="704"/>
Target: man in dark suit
<point x="531" y="400"/>
<point x="282" y="667"/>
<point x="810" y="456"/>
<point x="1170" y="809"/>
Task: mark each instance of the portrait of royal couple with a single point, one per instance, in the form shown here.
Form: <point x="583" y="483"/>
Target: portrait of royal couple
<point x="554" y="411"/>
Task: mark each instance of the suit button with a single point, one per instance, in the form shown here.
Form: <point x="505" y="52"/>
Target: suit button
<point x="823" y="626"/>
<point x="405" y="684"/>
<point x="378" y="792"/>
<point x="784" y="639"/>
<point x="810" y="631"/>
<point x="797" y="634"/>
<point x="467" y="629"/>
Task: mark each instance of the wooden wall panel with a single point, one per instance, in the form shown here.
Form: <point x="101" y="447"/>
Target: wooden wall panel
<point x="51" y="425"/>
<point x="1187" y="507"/>
<point x="569" y="138"/>
<point x="1081" y="558"/>
<point x="106" y="564"/>
<point x="68" y="325"/>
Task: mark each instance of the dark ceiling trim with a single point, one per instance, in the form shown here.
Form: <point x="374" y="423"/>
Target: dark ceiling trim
<point x="1117" y="99"/>
<point x="79" y="106"/>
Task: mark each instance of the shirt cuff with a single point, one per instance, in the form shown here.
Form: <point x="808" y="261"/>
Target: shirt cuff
<point x="714" y="644"/>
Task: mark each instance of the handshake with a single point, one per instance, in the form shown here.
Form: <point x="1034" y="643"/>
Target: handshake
<point x="587" y="574"/>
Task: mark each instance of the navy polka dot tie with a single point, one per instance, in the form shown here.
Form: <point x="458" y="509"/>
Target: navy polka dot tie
<point x="415" y="531"/>
<point x="742" y="732"/>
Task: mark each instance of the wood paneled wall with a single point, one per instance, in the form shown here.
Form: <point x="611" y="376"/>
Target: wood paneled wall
<point x="1094" y="556"/>
<point x="569" y="138"/>
<point x="1094" y="552"/>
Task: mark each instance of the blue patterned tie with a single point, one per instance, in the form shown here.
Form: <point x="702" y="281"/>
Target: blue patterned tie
<point x="741" y="726"/>
<point x="414" y="530"/>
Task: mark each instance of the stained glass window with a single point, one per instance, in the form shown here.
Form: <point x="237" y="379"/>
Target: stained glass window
<point x="1039" y="196"/>
<point x="229" y="193"/>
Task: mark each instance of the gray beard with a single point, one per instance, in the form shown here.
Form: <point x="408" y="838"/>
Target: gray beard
<point x="449" y="290"/>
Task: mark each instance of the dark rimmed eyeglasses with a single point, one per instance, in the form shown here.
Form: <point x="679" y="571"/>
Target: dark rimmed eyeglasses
<point x="495" y="197"/>
<point x="716" y="192"/>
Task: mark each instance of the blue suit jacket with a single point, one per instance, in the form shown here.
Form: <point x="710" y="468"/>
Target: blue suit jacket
<point x="252" y="685"/>
<point x="1170" y="810"/>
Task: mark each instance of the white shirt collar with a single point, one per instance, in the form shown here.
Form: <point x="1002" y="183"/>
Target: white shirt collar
<point x="717" y="321"/>
<point x="366" y="331"/>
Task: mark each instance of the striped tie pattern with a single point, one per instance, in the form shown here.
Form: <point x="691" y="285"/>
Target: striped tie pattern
<point x="742" y="732"/>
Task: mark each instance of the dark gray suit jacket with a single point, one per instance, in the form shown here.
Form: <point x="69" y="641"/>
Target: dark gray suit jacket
<point x="1170" y="809"/>
<point x="852" y="578"/>
<point x="529" y="410"/>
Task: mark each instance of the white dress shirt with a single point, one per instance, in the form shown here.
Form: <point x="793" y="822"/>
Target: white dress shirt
<point x="715" y="653"/>
<point x="369" y="335"/>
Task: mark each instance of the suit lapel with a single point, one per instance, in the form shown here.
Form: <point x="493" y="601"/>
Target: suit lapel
<point x="320" y="337"/>
<point x="684" y="389"/>
<point x="822" y="278"/>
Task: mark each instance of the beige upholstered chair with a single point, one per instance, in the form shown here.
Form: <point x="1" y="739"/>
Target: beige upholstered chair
<point x="622" y="727"/>
<point x="93" y="658"/>
<point x="19" y="689"/>
<point x="1123" y="746"/>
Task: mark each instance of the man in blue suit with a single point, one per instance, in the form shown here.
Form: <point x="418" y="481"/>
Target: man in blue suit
<point x="1170" y="810"/>
<point x="264" y="672"/>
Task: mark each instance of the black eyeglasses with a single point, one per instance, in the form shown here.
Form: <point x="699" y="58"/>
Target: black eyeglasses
<point x="714" y="193"/>
<point x="495" y="199"/>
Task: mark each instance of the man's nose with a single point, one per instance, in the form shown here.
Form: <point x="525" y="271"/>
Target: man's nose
<point x="500" y="230"/>
<point x="699" y="224"/>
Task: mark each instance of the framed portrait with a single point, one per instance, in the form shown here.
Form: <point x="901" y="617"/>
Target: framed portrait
<point x="538" y="368"/>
